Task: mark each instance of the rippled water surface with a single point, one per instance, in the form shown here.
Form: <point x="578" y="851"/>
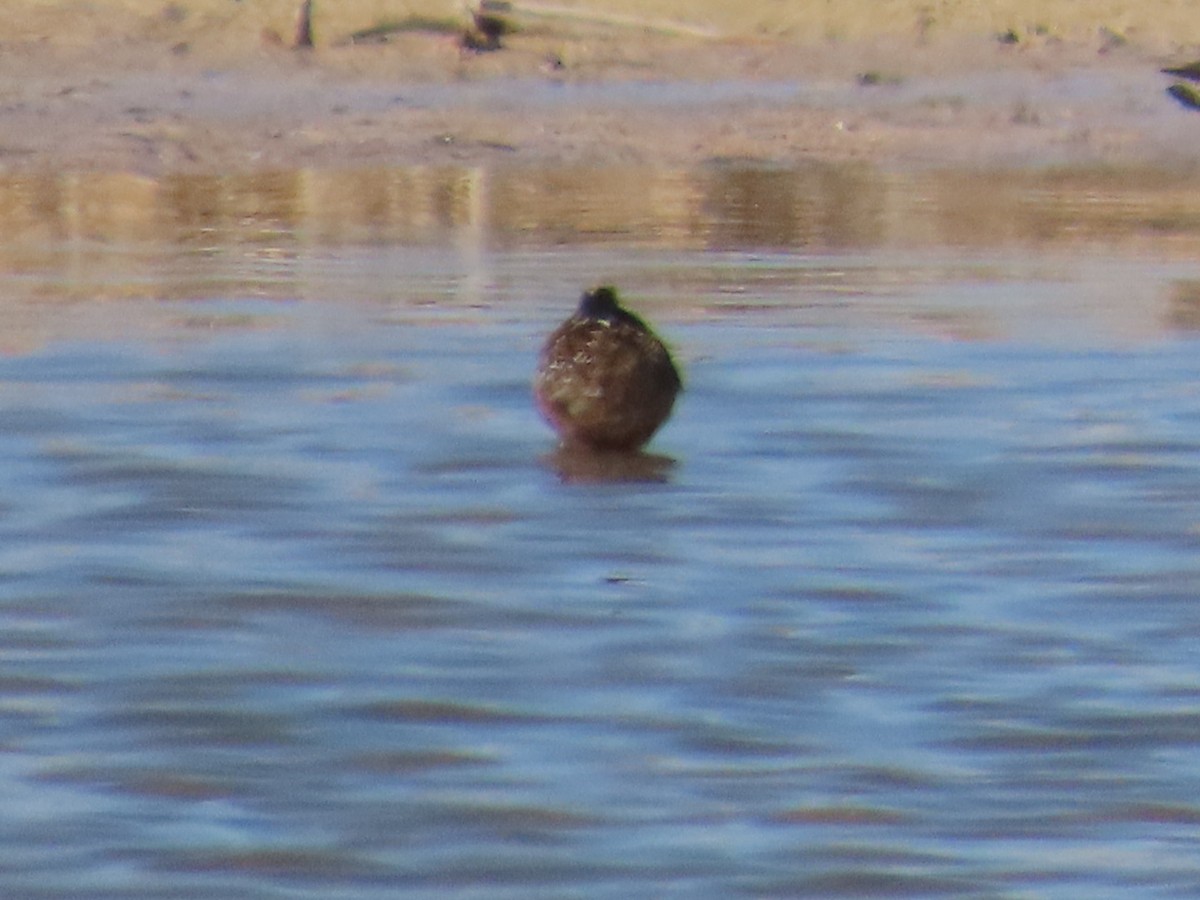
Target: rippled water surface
<point x="297" y="600"/>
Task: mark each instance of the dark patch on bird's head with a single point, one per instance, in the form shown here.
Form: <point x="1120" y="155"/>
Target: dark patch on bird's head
<point x="601" y="304"/>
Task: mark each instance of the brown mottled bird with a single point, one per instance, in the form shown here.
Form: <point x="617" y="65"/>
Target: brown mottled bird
<point x="604" y="379"/>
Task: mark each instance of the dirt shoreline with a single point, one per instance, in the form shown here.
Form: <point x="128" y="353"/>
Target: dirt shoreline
<point x="152" y="106"/>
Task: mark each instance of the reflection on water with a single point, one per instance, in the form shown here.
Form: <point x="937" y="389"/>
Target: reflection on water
<point x="71" y="240"/>
<point x="1185" y="306"/>
<point x="297" y="599"/>
<point x="720" y="207"/>
<point x="581" y="466"/>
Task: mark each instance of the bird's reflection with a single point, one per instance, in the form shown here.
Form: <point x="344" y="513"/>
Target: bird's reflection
<point x="583" y="465"/>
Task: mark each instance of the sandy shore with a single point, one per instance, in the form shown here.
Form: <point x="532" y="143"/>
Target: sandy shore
<point x="162" y="88"/>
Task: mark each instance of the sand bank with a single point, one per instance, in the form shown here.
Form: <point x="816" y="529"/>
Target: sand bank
<point x="214" y="85"/>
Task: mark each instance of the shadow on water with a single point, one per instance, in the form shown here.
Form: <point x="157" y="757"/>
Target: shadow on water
<point x="575" y="465"/>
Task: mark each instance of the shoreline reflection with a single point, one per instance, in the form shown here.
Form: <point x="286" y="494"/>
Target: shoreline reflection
<point x="822" y="206"/>
<point x="82" y="254"/>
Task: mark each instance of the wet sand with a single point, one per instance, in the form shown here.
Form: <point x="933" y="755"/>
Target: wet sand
<point x="173" y="92"/>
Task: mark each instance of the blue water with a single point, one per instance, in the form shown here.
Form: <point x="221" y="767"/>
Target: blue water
<point x="297" y="599"/>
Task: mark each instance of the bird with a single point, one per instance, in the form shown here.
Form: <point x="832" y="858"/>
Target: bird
<point x="604" y="379"/>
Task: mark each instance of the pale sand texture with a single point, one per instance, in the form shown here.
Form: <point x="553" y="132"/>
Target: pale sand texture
<point x="235" y="25"/>
<point x="154" y="86"/>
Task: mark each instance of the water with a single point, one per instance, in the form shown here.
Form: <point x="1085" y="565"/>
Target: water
<point x="297" y="600"/>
